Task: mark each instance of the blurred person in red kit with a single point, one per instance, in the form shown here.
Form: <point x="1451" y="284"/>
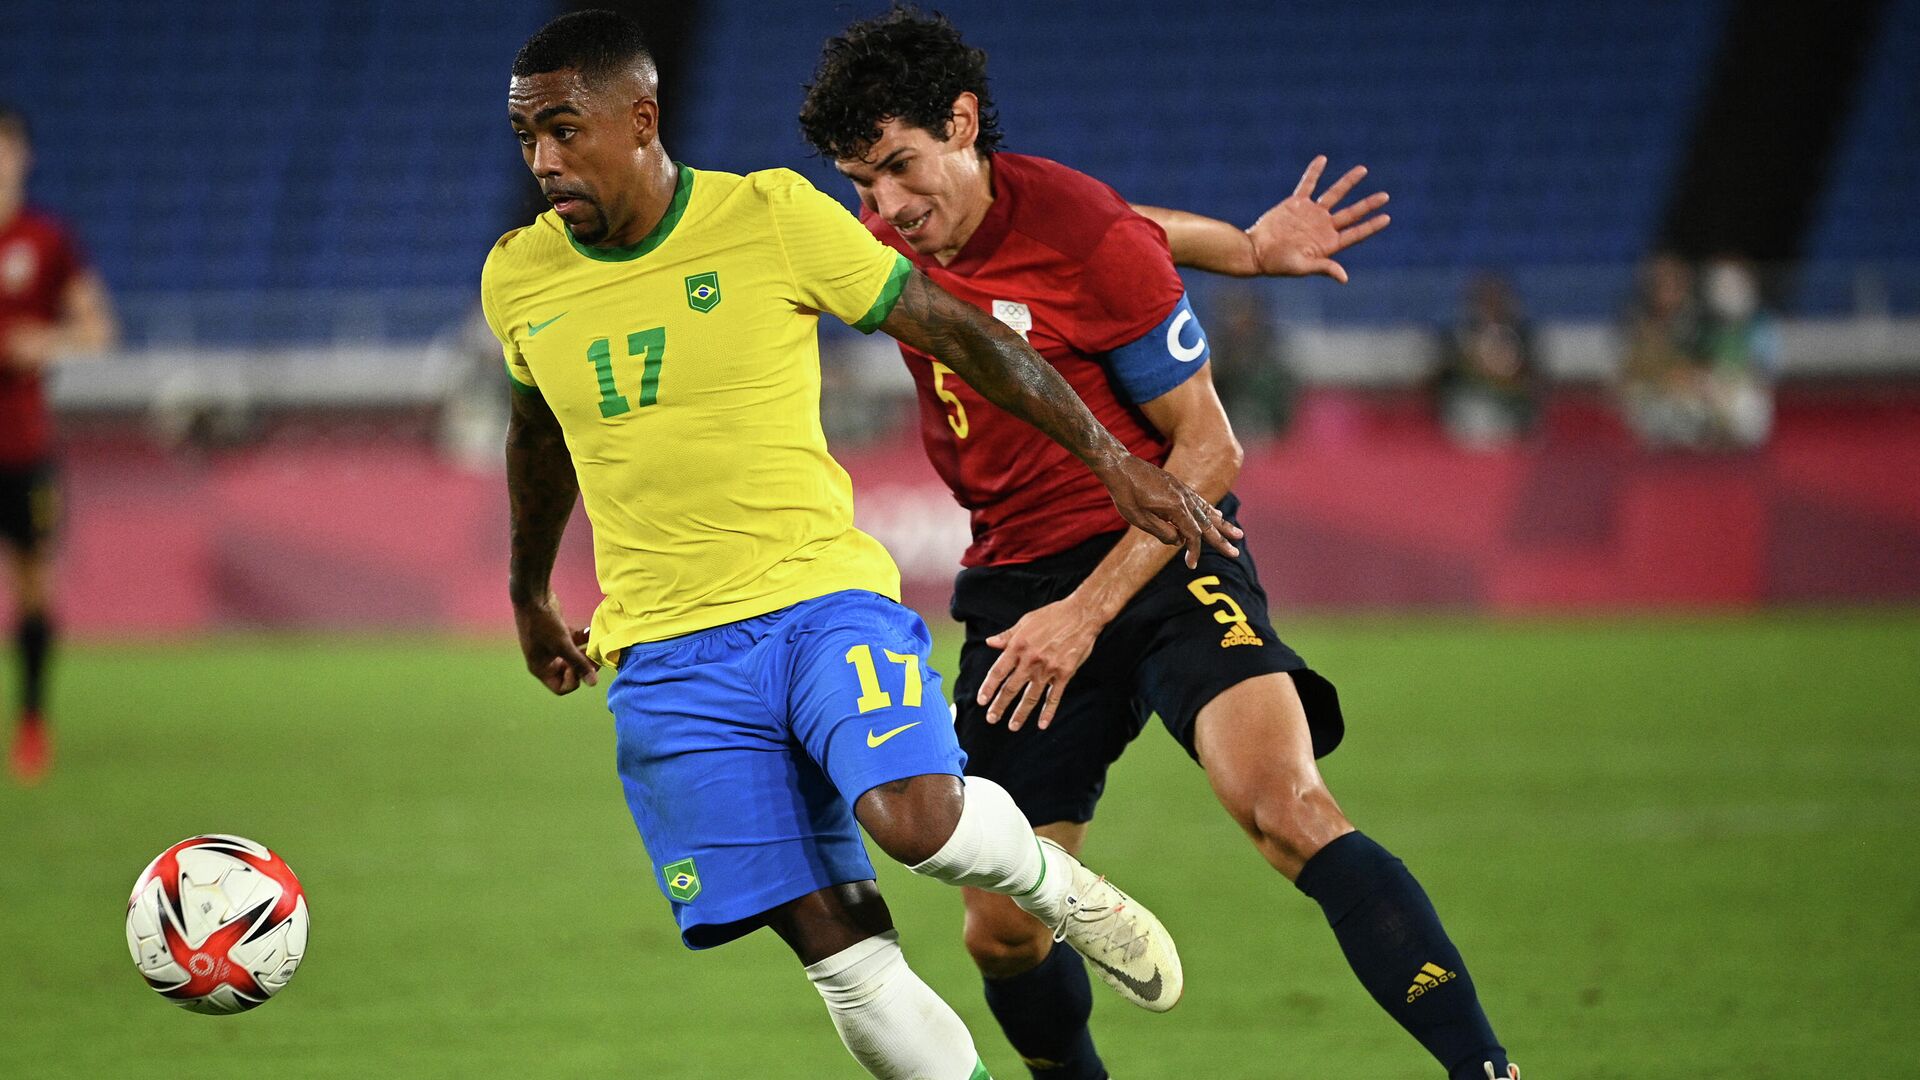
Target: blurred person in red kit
<point x="51" y="306"/>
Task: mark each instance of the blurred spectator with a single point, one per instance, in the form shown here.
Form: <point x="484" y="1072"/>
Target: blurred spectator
<point x="473" y="415"/>
<point x="1739" y="349"/>
<point x="1698" y="372"/>
<point x="1662" y="385"/>
<point x="1249" y="372"/>
<point x="53" y="307"/>
<point x="1487" y="391"/>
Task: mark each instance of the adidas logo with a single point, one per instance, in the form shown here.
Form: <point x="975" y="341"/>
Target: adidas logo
<point x="1240" y="634"/>
<point x="1429" y="977"/>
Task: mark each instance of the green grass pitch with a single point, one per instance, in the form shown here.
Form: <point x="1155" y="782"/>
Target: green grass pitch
<point x="1672" y="847"/>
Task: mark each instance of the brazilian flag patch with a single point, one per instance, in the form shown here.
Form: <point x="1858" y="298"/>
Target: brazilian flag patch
<point x="703" y="291"/>
<point x="682" y="878"/>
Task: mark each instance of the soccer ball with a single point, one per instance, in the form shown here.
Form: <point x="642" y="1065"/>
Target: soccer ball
<point x="217" y="924"/>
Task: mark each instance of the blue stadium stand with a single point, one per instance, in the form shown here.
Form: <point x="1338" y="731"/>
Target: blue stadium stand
<point x="241" y="153"/>
<point x="1869" y="218"/>
<point x="231" y="151"/>
<point x="1513" y="135"/>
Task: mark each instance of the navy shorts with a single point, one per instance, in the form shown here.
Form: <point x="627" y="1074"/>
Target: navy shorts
<point x="743" y="748"/>
<point x="1185" y="638"/>
<point x="29" y="506"/>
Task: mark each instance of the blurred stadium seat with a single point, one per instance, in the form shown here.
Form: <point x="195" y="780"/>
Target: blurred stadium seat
<point x="1867" y="216"/>
<point x="257" y="173"/>
<point x="273" y="174"/>
<point x="1511" y="134"/>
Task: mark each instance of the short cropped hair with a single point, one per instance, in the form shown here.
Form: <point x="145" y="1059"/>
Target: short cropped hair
<point x="900" y="66"/>
<point x="595" y="43"/>
<point x="13" y="122"/>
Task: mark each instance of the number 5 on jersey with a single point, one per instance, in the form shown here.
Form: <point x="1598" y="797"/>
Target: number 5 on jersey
<point x="957" y="419"/>
<point x="647" y="346"/>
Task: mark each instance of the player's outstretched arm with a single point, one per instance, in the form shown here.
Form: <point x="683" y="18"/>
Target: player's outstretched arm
<point x="1006" y="371"/>
<point x="1297" y="237"/>
<point x="541" y="489"/>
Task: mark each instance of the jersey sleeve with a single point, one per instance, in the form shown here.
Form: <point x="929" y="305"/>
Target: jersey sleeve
<point x="837" y="265"/>
<point x="520" y="375"/>
<point x="1134" y="312"/>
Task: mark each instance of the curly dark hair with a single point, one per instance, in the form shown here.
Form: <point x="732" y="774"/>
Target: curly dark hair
<point x="902" y="65"/>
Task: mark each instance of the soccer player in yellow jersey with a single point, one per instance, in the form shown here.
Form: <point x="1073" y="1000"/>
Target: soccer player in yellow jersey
<point x="659" y="325"/>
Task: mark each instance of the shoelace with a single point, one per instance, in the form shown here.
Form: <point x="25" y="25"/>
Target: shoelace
<point x="1074" y="909"/>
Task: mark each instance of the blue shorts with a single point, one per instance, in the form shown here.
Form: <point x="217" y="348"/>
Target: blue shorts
<point x="742" y="749"/>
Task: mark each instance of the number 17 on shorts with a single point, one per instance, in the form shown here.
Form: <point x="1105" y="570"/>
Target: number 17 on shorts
<point x="879" y="715"/>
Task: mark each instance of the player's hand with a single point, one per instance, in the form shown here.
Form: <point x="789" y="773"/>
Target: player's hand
<point x="28" y="346"/>
<point x="1302" y="234"/>
<point x="1038" y="656"/>
<point x="553" y="650"/>
<point x="1168" y="510"/>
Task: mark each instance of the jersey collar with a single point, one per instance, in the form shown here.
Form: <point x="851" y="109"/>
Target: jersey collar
<point x="682" y="191"/>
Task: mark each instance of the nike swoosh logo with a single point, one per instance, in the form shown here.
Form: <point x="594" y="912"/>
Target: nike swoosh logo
<point x="534" y="327"/>
<point x="1148" y="991"/>
<point x="873" y="741"/>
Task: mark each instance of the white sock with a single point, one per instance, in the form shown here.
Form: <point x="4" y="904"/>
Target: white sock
<point x="993" y="848"/>
<point x="895" y="1026"/>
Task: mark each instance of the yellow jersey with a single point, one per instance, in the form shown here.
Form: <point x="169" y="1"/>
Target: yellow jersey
<point x="685" y="373"/>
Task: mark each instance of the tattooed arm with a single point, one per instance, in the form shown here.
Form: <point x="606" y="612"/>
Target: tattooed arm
<point x="1006" y="371"/>
<point x="541" y="489"/>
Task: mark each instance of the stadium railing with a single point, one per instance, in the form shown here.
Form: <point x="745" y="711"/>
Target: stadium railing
<point x="427" y="347"/>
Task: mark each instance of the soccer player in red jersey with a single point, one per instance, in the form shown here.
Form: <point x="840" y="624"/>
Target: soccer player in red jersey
<point x="51" y="304"/>
<point x="1071" y="618"/>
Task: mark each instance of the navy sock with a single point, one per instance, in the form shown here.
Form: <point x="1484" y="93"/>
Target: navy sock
<point x="33" y="637"/>
<point x="1395" y="943"/>
<point x="1044" y="1013"/>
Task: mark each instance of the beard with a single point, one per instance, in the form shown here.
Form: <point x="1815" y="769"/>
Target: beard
<point x="593" y="231"/>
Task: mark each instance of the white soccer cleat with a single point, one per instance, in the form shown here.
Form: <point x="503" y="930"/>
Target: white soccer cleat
<point x="1123" y="941"/>
<point x="1512" y="1073"/>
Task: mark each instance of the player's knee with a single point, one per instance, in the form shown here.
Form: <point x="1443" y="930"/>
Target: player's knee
<point x="912" y="819"/>
<point x="30" y="591"/>
<point x="1005" y="941"/>
<point x="1291" y="822"/>
<point x="910" y="841"/>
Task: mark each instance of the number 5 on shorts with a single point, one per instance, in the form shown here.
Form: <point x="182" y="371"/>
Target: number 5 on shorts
<point x="1233" y="614"/>
<point x="871" y="696"/>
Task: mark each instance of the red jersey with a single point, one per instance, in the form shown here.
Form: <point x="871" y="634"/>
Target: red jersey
<point x="38" y="260"/>
<point x="1062" y="259"/>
